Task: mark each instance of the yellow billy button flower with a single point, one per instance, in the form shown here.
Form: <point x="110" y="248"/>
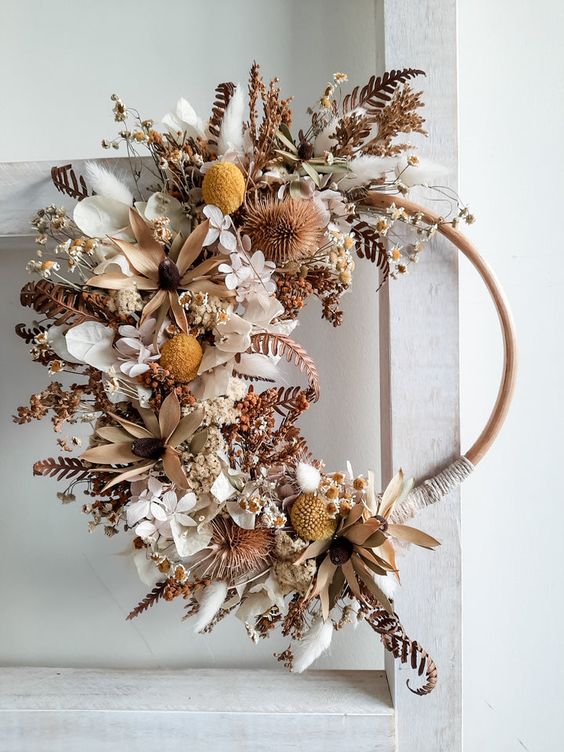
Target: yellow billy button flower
<point x="182" y="356"/>
<point x="311" y="518"/>
<point x="224" y="187"/>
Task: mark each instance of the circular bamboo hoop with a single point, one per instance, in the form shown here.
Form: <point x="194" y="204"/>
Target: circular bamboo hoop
<point x="497" y="417"/>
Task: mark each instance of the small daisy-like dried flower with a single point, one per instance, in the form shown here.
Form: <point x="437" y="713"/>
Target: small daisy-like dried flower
<point x="286" y="230"/>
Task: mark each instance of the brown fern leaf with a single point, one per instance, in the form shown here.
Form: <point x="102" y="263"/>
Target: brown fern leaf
<point x="283" y="346"/>
<point x="62" y="304"/>
<point x="149" y="600"/>
<point x="223" y="94"/>
<point x="288" y="399"/>
<point x="407" y="651"/>
<point x="61" y="467"/>
<point x="28" y="334"/>
<point x="369" y="245"/>
<point x="66" y="181"/>
<point x="378" y="90"/>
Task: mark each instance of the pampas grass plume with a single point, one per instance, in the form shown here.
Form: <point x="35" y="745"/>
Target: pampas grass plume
<point x="210" y="601"/>
<point x="231" y="131"/>
<point x="312" y="645"/>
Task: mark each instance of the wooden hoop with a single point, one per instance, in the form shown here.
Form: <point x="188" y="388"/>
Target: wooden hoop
<point x="481" y="446"/>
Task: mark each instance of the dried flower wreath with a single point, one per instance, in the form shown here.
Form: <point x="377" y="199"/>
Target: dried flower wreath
<point x="172" y="293"/>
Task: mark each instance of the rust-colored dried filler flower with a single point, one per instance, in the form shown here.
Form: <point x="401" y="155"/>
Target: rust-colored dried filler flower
<point x="169" y="299"/>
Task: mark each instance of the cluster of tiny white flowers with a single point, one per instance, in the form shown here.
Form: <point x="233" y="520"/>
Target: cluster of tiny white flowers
<point x="204" y="311"/>
<point x="125" y="301"/>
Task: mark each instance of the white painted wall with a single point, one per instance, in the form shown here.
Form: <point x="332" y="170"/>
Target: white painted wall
<point x="67" y="592"/>
<point x="511" y="165"/>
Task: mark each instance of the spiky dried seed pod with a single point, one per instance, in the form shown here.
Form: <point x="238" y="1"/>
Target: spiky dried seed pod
<point x="286" y="230"/>
<point x="236" y="553"/>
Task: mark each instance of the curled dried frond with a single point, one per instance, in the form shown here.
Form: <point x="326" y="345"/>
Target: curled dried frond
<point x="404" y="649"/>
<point x="29" y="333"/>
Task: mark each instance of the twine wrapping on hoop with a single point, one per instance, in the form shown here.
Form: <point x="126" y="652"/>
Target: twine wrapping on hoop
<point x="433" y="490"/>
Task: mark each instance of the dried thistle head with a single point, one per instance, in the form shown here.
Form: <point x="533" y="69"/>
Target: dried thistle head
<point x="287" y="230"/>
<point x="235" y="554"/>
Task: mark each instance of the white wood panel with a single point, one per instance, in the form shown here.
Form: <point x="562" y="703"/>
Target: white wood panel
<point x="221" y="710"/>
<point x="420" y="394"/>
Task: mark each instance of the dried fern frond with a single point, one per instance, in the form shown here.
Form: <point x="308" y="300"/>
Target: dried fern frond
<point x="223" y="94"/>
<point x="61" y="467"/>
<point x="369" y="245"/>
<point x="66" y="181"/>
<point x="378" y="90"/>
<point x="283" y="346"/>
<point x="62" y="304"/>
<point x="407" y="651"/>
<point x="149" y="600"/>
<point x="28" y="334"/>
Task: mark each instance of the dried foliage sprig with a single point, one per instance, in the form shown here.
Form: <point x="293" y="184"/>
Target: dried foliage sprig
<point x="223" y="94"/>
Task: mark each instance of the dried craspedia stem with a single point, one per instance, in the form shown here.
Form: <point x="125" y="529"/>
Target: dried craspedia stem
<point x="311" y="519"/>
<point x="287" y="230"/>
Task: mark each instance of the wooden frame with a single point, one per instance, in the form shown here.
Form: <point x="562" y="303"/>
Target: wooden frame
<point x="420" y="395"/>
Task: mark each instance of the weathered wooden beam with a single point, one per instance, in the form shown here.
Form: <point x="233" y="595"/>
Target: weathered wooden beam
<point x="420" y="394"/>
<point x="224" y="710"/>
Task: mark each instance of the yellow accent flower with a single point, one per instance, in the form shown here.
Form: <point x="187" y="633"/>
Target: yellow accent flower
<point x="224" y="186"/>
<point x="182" y="356"/>
<point x="310" y="518"/>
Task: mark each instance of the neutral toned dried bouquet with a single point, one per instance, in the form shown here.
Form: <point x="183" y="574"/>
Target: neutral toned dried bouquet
<point x="170" y="296"/>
